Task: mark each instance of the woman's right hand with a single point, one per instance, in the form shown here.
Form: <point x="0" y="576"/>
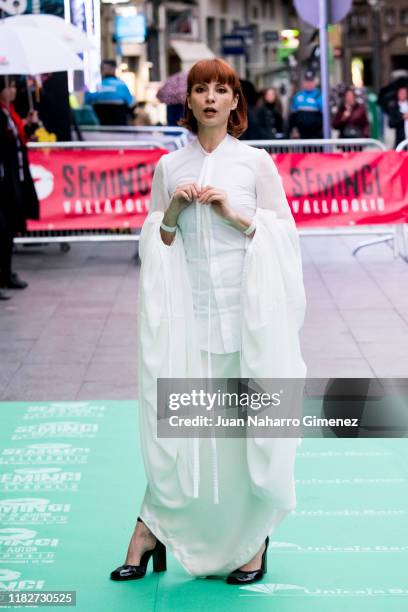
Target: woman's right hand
<point x="183" y="196"/>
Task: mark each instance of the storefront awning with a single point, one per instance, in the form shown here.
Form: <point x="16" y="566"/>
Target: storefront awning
<point x="190" y="52"/>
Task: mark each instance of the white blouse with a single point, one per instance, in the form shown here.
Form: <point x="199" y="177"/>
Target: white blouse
<point x="214" y="250"/>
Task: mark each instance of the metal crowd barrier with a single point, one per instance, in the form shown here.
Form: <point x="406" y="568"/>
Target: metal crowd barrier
<point x="120" y="145"/>
<point x="172" y="138"/>
<point x="403" y="146"/>
<point x="401" y="237"/>
<point x="331" y="145"/>
<point x="395" y="234"/>
<point x="65" y="237"/>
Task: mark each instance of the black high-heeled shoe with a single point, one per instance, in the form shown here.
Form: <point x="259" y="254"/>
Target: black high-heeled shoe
<point x="240" y="577"/>
<point x="133" y="572"/>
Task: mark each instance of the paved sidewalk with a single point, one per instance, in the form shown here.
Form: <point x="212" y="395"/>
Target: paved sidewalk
<point x="72" y="334"/>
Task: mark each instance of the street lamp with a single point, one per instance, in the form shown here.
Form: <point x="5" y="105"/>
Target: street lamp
<point x="376" y="6"/>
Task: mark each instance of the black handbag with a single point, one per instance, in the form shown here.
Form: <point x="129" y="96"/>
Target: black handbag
<point x="352" y="131"/>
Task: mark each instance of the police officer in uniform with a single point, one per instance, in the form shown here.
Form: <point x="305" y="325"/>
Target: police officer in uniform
<point x="306" y="109"/>
<point x="112" y="102"/>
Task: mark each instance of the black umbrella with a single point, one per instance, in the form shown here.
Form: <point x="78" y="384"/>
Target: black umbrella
<point x="389" y="92"/>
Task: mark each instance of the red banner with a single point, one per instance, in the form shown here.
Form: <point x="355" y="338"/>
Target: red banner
<point x="337" y="189"/>
<point x="111" y="189"/>
<point x="92" y="189"/>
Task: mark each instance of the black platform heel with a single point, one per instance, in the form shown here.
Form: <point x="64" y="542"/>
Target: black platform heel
<point x="240" y="577"/>
<point x="133" y="572"/>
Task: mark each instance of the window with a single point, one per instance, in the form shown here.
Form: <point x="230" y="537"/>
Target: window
<point x="358" y="24"/>
<point x="404" y="17"/>
<point x="180" y="22"/>
<point x="363" y="22"/>
<point x="255" y="12"/>
<point x="237" y="63"/>
<point x="390" y="17"/>
<point x="223" y="26"/>
<point x="399" y="62"/>
<point x="211" y="32"/>
<point x="224" y="6"/>
<point x="265" y="56"/>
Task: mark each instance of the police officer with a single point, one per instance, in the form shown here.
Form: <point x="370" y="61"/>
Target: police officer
<point x="112" y="102"/>
<point x="306" y="109"/>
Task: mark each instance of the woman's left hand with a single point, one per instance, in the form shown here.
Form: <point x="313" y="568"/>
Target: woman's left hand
<point x="218" y="199"/>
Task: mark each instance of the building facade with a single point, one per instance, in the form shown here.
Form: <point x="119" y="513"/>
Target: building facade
<point x="375" y="41"/>
<point x="178" y="33"/>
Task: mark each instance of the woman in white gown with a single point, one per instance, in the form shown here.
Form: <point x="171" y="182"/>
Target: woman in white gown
<point x="221" y="295"/>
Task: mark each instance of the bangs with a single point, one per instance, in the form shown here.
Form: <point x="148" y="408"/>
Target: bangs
<point x="209" y="70"/>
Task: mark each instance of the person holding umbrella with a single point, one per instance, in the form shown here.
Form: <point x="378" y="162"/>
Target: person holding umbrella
<point x="24" y="51"/>
<point x="18" y="198"/>
<point x="173" y="94"/>
<point x="26" y="127"/>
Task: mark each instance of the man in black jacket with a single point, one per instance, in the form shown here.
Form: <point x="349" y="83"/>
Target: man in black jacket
<point x="398" y="115"/>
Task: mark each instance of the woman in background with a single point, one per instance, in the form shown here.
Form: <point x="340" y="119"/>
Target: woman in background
<point x="270" y="114"/>
<point x="18" y="198"/>
<point x="351" y="119"/>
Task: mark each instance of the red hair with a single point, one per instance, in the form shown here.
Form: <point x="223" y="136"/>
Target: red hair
<point x="220" y="71"/>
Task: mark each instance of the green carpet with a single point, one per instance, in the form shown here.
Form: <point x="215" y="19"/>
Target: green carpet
<point x="71" y="483"/>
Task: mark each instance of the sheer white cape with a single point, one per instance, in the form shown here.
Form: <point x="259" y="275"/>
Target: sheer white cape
<point x="272" y="306"/>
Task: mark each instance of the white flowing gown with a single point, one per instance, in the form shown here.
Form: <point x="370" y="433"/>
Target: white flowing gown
<point x="216" y="303"/>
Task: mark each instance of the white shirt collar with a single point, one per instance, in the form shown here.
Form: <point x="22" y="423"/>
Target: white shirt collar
<point x="221" y="145"/>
